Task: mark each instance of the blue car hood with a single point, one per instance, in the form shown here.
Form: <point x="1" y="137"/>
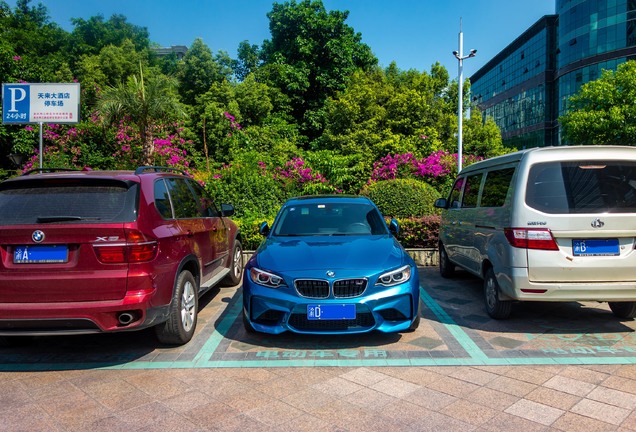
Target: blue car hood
<point x="293" y="254"/>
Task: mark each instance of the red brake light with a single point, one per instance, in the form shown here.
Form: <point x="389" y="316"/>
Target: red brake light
<point x="140" y="248"/>
<point x="137" y="248"/>
<point x="527" y="238"/>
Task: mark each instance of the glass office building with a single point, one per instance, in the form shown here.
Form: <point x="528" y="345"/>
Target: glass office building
<point x="527" y="85"/>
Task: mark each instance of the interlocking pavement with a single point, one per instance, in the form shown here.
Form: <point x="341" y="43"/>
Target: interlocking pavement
<point x="551" y="367"/>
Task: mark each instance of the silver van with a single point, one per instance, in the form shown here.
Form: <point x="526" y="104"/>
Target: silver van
<point x="546" y="224"/>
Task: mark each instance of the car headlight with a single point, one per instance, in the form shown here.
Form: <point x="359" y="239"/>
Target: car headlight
<point x="395" y="277"/>
<point x="267" y="279"/>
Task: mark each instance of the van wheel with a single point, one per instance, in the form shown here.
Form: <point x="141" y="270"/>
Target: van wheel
<point x="623" y="309"/>
<point x="236" y="266"/>
<point x="496" y="308"/>
<point x="179" y="328"/>
<point x="446" y="267"/>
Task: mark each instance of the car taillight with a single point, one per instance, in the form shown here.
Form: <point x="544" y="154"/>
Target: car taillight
<point x="530" y="238"/>
<point x="137" y="248"/>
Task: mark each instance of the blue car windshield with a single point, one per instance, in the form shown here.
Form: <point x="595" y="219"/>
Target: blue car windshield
<point x="329" y="218"/>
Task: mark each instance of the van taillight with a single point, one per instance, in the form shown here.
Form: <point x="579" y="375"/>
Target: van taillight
<point x="137" y="248"/>
<point x="528" y="238"/>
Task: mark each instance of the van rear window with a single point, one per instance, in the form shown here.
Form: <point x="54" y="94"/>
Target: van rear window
<point x="582" y="187"/>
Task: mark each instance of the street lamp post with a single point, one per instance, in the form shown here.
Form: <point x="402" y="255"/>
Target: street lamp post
<point x="460" y="84"/>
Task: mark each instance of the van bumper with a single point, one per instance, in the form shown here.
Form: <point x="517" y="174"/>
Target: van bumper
<point x="519" y="287"/>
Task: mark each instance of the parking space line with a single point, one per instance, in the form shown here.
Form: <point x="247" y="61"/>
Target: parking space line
<point x="456" y="331"/>
<point x="223" y="328"/>
<point x="212" y="355"/>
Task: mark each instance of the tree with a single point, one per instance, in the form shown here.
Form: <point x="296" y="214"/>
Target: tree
<point x="92" y="35"/>
<point x="482" y="138"/>
<point x="391" y="112"/>
<point x="248" y="60"/>
<point x="603" y="111"/>
<point x="34" y="42"/>
<point x="311" y="55"/>
<point x="199" y="70"/>
<point x="146" y="103"/>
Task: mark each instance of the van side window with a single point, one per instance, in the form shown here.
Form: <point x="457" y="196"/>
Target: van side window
<point x="456" y="192"/>
<point x="471" y="191"/>
<point x="496" y="187"/>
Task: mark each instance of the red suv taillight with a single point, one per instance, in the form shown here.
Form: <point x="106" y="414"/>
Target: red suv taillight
<point x="531" y="238"/>
<point x="137" y="248"/>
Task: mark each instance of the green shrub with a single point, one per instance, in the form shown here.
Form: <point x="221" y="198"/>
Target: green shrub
<point x="249" y="226"/>
<point x="420" y="232"/>
<point x="402" y="198"/>
<point x="245" y="187"/>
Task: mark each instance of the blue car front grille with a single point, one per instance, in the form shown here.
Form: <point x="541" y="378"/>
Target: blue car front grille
<point x="348" y="288"/>
<point x="320" y="289"/>
<point x="312" y="288"/>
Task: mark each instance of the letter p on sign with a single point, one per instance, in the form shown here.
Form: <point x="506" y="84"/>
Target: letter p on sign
<point x="16" y="104"/>
<point x="18" y="94"/>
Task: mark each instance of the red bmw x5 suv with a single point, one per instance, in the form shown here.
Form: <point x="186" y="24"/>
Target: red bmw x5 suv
<point x="103" y="251"/>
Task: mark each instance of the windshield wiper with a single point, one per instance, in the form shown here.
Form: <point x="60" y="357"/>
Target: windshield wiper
<point x="46" y="219"/>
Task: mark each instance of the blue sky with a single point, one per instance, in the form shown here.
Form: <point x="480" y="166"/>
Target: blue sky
<point x="413" y="33"/>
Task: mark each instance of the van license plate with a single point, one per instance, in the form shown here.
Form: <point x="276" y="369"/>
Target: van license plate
<point x="331" y="311"/>
<point x="595" y="247"/>
<point x="40" y="254"/>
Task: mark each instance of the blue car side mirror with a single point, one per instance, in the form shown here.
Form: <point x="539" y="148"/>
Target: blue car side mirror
<point x="394" y="227"/>
<point x="263" y="229"/>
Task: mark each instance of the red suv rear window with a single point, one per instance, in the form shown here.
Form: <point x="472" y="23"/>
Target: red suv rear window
<point x="67" y="200"/>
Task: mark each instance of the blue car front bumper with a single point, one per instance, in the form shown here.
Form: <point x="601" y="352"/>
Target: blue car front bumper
<point x="276" y="310"/>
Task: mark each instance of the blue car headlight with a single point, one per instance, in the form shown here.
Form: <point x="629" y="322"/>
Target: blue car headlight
<point x="395" y="277"/>
<point x="266" y="279"/>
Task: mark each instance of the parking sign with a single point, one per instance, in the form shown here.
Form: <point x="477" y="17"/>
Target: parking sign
<point x="40" y="103"/>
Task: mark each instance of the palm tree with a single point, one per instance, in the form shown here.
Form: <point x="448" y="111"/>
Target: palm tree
<point x="145" y="103"/>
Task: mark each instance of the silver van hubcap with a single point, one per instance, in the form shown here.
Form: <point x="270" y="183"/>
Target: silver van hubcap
<point x="491" y="293"/>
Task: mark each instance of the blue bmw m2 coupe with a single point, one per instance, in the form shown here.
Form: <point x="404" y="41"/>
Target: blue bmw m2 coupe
<point x="330" y="265"/>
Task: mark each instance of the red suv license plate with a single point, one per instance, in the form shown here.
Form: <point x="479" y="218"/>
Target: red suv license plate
<point x="40" y="254"/>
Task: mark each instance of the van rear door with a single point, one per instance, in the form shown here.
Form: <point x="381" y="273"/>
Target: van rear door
<point x="589" y="207"/>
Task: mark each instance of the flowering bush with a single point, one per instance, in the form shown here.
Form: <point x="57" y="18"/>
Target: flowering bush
<point x="296" y="171"/>
<point x="419" y="232"/>
<point x="437" y="169"/>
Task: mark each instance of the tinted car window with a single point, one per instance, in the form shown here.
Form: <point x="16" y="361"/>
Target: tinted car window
<point x="336" y="219"/>
<point x="185" y="203"/>
<point x="582" y="187"/>
<point x="453" y="199"/>
<point x="471" y="191"/>
<point x="206" y="207"/>
<point x="162" y="199"/>
<point x="67" y="201"/>
<point x="496" y="187"/>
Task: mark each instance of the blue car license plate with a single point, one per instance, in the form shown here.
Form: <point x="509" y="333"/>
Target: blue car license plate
<point x="40" y="254"/>
<point x="595" y="247"/>
<point x="331" y="311"/>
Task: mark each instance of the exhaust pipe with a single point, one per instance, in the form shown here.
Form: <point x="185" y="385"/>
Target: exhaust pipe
<point x="125" y="318"/>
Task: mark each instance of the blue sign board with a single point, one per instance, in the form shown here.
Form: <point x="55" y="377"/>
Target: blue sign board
<point x="40" y="103"/>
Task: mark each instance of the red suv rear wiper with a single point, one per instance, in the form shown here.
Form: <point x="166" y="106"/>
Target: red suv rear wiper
<point x="45" y="219"/>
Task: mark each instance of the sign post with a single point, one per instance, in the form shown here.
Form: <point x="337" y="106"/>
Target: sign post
<point x="40" y="103"/>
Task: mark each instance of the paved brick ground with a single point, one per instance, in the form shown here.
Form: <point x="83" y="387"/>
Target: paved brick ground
<point x="483" y="398"/>
<point x="127" y="382"/>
